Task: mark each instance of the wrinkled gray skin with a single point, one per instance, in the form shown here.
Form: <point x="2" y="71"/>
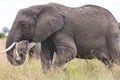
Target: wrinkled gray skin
<point x="22" y="46"/>
<point x="21" y="49"/>
<point x="66" y="31"/>
<point x="33" y="50"/>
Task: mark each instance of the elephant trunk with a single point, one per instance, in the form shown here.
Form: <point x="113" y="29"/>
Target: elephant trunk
<point x="12" y="55"/>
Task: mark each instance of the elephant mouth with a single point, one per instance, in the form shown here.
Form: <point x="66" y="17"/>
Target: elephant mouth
<point x="18" y="60"/>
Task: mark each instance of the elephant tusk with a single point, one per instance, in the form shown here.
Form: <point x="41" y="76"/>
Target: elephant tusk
<point x="17" y="55"/>
<point x="30" y="46"/>
<point x="10" y="47"/>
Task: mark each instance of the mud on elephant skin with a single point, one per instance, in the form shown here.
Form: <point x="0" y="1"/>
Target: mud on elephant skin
<point x="66" y="31"/>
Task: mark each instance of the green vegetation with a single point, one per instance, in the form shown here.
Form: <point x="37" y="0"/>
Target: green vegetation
<point x="2" y="35"/>
<point x="77" y="69"/>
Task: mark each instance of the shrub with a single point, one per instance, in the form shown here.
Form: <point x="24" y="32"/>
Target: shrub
<point x="2" y="35"/>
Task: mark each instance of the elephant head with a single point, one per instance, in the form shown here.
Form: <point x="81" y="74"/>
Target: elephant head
<point x="24" y="47"/>
<point x="34" y="24"/>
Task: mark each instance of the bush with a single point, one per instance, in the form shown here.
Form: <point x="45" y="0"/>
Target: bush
<point x="2" y="35"/>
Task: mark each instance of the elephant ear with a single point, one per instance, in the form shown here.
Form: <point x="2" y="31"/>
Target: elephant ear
<point x="49" y="21"/>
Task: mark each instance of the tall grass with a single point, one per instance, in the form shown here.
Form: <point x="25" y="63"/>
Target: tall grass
<point x="77" y="69"/>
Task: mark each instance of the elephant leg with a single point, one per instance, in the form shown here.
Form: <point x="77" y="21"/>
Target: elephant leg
<point x="66" y="49"/>
<point x="106" y="61"/>
<point x="32" y="53"/>
<point x="114" y="48"/>
<point x="46" y="55"/>
<point x="104" y="57"/>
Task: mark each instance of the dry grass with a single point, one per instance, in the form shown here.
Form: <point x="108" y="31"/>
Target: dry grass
<point x="77" y="69"/>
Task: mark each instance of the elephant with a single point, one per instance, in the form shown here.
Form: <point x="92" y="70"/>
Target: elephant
<point x="66" y="31"/>
<point x="24" y="47"/>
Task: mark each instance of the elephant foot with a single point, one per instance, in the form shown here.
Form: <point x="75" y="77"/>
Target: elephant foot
<point x="108" y="63"/>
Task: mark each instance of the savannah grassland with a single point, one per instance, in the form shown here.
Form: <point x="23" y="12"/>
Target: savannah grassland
<point x="77" y="69"/>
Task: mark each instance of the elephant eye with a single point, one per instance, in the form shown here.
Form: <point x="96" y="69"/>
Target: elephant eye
<point x="22" y="24"/>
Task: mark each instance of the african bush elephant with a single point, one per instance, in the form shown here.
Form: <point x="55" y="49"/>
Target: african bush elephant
<point x="66" y="31"/>
<point x="33" y="49"/>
